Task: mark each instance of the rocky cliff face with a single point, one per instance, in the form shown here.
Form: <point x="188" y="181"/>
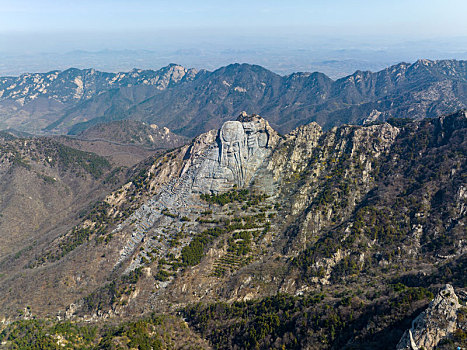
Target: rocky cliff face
<point x="240" y="150"/>
<point x="333" y="238"/>
<point x="438" y="321"/>
<point x="214" y="163"/>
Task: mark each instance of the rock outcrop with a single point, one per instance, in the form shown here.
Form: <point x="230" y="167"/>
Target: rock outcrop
<point x="213" y="164"/>
<point x="433" y="324"/>
<point x="241" y="147"/>
<point x="333" y="237"/>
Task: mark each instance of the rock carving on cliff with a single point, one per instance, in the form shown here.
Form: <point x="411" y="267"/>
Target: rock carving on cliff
<point x="213" y="165"/>
<point x="240" y="148"/>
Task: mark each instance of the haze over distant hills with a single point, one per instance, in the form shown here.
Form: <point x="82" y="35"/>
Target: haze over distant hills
<point x="336" y="64"/>
<point x="282" y="54"/>
<point x="190" y="101"/>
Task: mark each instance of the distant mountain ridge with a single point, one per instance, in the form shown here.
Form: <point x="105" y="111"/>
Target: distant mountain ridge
<point x="34" y="101"/>
<point x="190" y="102"/>
<point x="82" y="84"/>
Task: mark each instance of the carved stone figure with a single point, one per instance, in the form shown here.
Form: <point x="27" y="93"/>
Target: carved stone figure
<point x="241" y="147"/>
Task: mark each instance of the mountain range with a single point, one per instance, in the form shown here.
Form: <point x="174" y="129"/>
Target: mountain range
<point x="351" y="237"/>
<point x="189" y="102"/>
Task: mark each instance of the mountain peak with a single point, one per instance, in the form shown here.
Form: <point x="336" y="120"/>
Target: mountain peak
<point x="245" y="118"/>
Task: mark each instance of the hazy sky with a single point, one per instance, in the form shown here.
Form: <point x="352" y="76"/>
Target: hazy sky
<point x="55" y="25"/>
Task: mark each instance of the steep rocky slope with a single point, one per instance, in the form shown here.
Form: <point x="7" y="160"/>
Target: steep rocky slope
<point x="435" y="323"/>
<point x="315" y="239"/>
<point x="191" y="102"/>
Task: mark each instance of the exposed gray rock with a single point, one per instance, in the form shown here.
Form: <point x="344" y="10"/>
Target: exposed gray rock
<point x="433" y="324"/>
<point x="241" y="147"/>
<point x="215" y="163"/>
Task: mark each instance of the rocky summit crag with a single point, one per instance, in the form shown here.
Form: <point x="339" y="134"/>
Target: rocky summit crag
<point x="240" y="149"/>
<point x="433" y="324"/>
<point x="311" y="240"/>
<point x="215" y="165"/>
